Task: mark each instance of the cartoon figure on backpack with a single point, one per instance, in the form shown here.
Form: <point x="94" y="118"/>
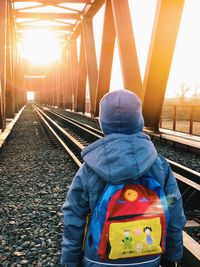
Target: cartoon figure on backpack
<point x="127" y="242"/>
<point x="147" y="230"/>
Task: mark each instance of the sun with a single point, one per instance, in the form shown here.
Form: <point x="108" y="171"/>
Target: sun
<point x="40" y="47"/>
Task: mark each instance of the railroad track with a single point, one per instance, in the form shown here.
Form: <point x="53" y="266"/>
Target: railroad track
<point x="74" y="136"/>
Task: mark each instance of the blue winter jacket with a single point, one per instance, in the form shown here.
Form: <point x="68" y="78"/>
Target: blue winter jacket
<point x="114" y="159"/>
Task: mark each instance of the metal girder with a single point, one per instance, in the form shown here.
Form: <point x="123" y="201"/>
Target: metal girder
<point x="127" y="48"/>
<point x="29" y="7"/>
<point x="74" y="69"/>
<point x="106" y="58"/>
<point x="46" y="2"/>
<point x="88" y="12"/>
<point x="3" y="14"/>
<point x="82" y="76"/>
<point x="91" y="62"/>
<point x="62" y="35"/>
<point x="165" y="30"/>
<point x="59" y="86"/>
<point x="68" y="92"/>
<point x="46" y="16"/>
<point x="63" y="63"/>
<point x="52" y="27"/>
<point x="9" y="65"/>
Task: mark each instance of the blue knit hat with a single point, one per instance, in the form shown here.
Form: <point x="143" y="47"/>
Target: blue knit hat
<point x="120" y="112"/>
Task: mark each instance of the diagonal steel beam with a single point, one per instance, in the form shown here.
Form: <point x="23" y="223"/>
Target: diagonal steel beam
<point x="127" y="48"/>
<point x="91" y="62"/>
<point x="163" y="40"/>
<point x="82" y="76"/>
<point x="29" y="7"/>
<point x="106" y="57"/>
<point x="89" y="11"/>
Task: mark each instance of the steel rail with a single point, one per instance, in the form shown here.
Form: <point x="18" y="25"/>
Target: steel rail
<point x="182" y="173"/>
<point x="48" y="124"/>
<point x="90" y="128"/>
<point x="79" y="125"/>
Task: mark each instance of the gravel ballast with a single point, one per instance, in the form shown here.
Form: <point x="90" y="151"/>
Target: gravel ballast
<point x="35" y="177"/>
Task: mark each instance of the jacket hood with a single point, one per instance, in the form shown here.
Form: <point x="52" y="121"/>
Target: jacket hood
<point x="119" y="157"/>
<point x="121" y="112"/>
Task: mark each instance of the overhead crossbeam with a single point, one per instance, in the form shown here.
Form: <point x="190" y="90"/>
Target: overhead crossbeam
<point x="52" y="27"/>
<point x="46" y="2"/>
<point x="46" y="16"/>
<point x="29" y="7"/>
<point x="163" y="40"/>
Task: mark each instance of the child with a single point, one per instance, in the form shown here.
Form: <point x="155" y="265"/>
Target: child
<point x="124" y="153"/>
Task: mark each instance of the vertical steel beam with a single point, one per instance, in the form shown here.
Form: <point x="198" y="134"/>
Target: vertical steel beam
<point x="91" y="62"/>
<point x="62" y="83"/>
<point x="20" y="83"/>
<point x="127" y="48"/>
<point x="74" y="70"/>
<point x="9" y="73"/>
<point x="54" y="85"/>
<point x="82" y="76"/>
<point x="59" y="85"/>
<point x="68" y="91"/>
<point x="106" y="58"/>
<point x="3" y="12"/>
<point x="163" y="40"/>
<point x="64" y="74"/>
<point x="49" y="85"/>
<point x="15" y="73"/>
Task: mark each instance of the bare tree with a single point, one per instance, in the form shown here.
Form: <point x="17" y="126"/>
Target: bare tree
<point x="196" y="94"/>
<point x="182" y="91"/>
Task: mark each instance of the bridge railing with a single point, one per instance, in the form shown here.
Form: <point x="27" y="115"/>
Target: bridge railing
<point x="181" y="117"/>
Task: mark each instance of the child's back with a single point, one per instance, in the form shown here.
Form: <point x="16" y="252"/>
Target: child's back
<point x="124" y="155"/>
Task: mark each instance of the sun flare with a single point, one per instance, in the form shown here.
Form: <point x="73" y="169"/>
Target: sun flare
<point x="40" y="47"/>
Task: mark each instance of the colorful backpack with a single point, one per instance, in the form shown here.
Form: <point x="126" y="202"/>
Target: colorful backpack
<point x="130" y="220"/>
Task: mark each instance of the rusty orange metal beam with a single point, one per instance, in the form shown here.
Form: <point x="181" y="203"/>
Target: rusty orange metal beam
<point x="106" y="57"/>
<point x="46" y="2"/>
<point x="163" y="40"/>
<point x="3" y="13"/>
<point x="9" y="70"/>
<point x="127" y="48"/>
<point x="82" y="76"/>
<point x="91" y="62"/>
<point x="74" y="69"/>
<point x="89" y="11"/>
<point x="51" y="27"/>
<point x="68" y="91"/>
<point x="46" y="16"/>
